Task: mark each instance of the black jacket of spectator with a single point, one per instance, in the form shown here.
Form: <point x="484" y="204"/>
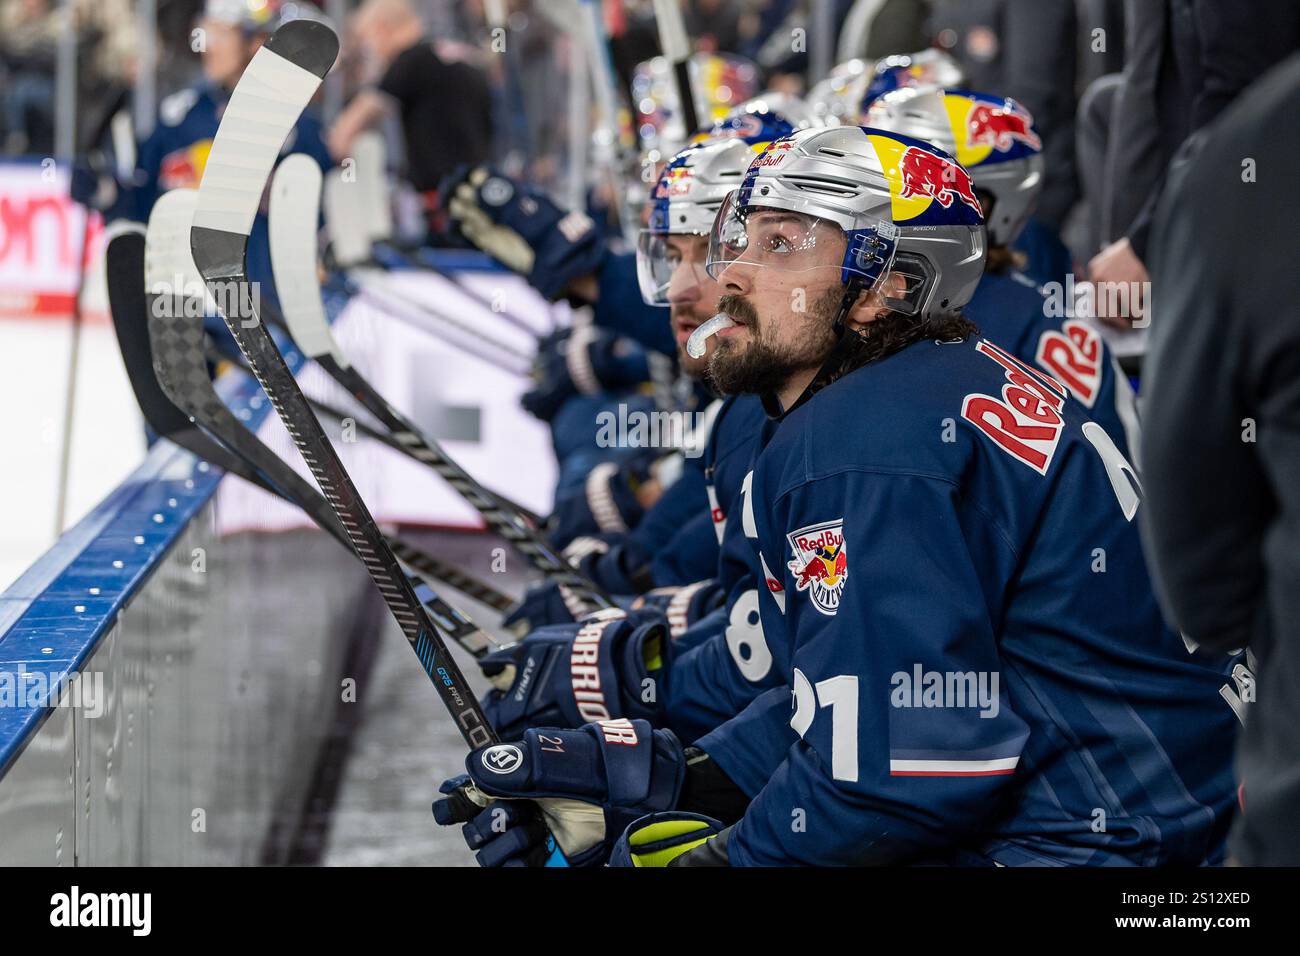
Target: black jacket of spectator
<point x="446" y="110"/>
<point x="1186" y="60"/>
<point x="1221" y="431"/>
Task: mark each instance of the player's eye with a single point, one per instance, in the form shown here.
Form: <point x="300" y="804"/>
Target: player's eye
<point x="777" y="243"/>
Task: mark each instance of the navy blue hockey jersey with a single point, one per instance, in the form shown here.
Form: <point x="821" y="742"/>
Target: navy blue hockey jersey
<point x="962" y="612"/>
<point x="1012" y="311"/>
<point x="721" y="663"/>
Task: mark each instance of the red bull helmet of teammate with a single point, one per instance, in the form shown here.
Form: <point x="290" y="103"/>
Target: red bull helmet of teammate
<point x="991" y="136"/>
<point x="932" y="67"/>
<point x="690" y="189"/>
<point x="837" y="99"/>
<point x="873" y="187"/>
<point x="851" y="86"/>
<point x="794" y="110"/>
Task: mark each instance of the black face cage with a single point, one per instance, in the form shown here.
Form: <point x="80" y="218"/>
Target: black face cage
<point x="919" y="278"/>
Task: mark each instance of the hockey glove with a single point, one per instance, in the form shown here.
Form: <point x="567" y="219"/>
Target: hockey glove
<point x="523" y="229"/>
<point x="610" y="665"/>
<point x="683" y="605"/>
<point x="673" y="838"/>
<point x="542" y="605"/>
<point x="619" y="563"/>
<point x="611" y="500"/>
<point x="583" y="360"/>
<point x="589" y="783"/>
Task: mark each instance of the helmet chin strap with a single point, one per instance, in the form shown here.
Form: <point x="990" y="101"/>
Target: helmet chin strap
<point x="846" y="343"/>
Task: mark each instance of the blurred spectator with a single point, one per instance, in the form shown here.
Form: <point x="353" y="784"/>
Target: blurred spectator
<point x="713" y="25"/>
<point x="867" y="29"/>
<point x="1221" y="435"/>
<point x="29" y="41"/>
<point x="880" y="28"/>
<point x="443" y="99"/>
<point x="1185" y="60"/>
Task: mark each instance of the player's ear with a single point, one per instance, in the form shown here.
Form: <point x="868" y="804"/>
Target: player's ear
<point x="870" y="305"/>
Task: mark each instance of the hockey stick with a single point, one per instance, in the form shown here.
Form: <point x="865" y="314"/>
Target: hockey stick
<point x="338" y="415"/>
<point x="295" y="198"/>
<point x="176" y="339"/>
<point x="677" y="51"/>
<point x="129" y="306"/>
<point x="610" y="151"/>
<point x="271" y="94"/>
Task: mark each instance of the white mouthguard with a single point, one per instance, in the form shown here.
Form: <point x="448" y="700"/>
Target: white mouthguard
<point x="695" y="344"/>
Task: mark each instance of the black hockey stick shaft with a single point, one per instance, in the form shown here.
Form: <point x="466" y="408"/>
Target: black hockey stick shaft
<point x="510" y="525"/>
<point x="676" y="48"/>
<point x="279" y="82"/>
<point x="339" y="415"/>
<point x="242" y="454"/>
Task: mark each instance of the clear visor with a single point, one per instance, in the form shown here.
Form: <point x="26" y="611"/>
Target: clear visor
<point x="797" y="242"/>
<point x="669" y="266"/>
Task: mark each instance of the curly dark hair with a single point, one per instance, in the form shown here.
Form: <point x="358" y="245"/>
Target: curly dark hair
<point x="894" y="331"/>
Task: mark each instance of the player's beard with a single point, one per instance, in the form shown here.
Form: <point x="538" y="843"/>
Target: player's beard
<point x="758" y="365"/>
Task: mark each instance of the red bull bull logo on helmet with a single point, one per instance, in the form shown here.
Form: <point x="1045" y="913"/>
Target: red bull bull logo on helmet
<point x="1000" y="127"/>
<point x="773" y="155"/>
<point x="675" y="181"/>
<point x="923" y="173"/>
<point x="183" y="168"/>
<point x="820" y="563"/>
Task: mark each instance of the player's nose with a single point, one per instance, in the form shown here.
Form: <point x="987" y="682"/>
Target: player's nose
<point x="684" y="286"/>
<point x="737" y="278"/>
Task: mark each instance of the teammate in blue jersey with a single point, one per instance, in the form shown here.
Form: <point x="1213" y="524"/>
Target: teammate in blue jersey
<point x="976" y="670"/>
<point x="995" y="140"/>
<point x="670" y="257"/>
<point x="638" y="547"/>
<point x="175" y="153"/>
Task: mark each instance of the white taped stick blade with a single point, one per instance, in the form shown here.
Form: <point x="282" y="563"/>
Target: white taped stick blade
<point x="345" y="218"/>
<point x="270" y="96"/>
<point x="295" y="213"/>
<point x="371" y="156"/>
<point x="169" y="267"/>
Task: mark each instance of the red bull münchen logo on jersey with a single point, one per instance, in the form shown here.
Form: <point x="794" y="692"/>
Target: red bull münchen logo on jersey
<point x="820" y="563"/>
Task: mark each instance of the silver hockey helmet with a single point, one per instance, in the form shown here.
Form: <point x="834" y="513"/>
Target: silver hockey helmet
<point x="897" y="205"/>
<point x="690" y="190"/>
<point x="931" y="67"/>
<point x="992" y="136"/>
